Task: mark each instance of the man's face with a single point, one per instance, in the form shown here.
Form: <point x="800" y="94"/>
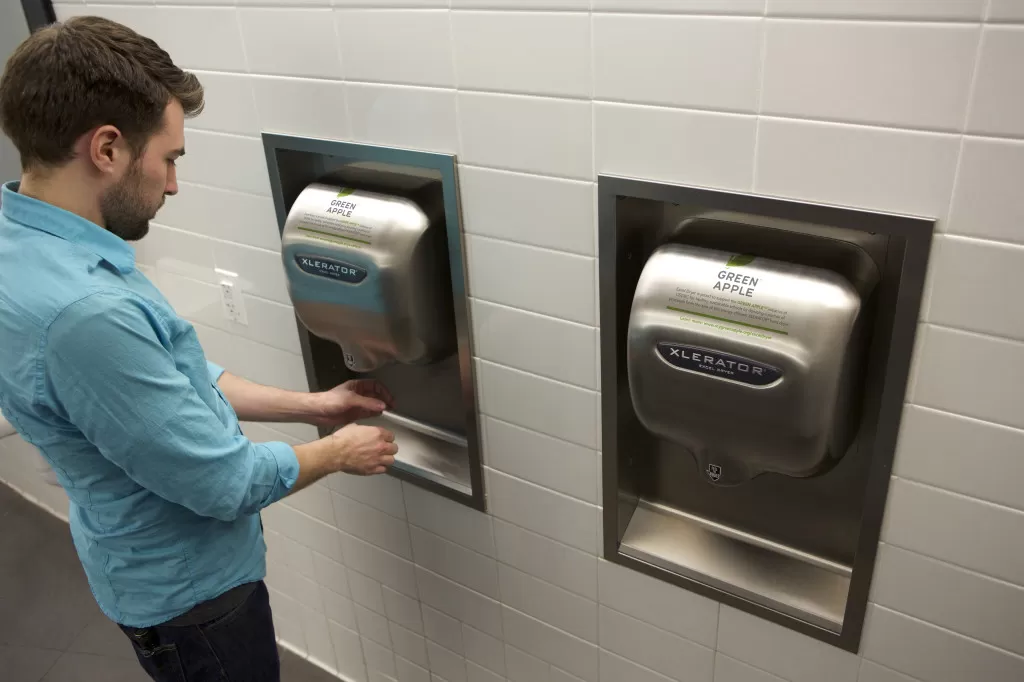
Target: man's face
<point x="128" y="205"/>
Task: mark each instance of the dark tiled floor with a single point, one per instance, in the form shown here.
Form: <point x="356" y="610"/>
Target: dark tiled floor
<point x="50" y="627"/>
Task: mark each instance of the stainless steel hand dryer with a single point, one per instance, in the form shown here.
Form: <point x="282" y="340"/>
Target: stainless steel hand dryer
<point x="743" y="360"/>
<point x="370" y="272"/>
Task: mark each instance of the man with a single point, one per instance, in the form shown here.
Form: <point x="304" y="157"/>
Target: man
<point x="112" y="386"/>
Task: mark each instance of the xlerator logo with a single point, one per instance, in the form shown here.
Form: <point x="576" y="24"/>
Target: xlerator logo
<point x="715" y="363"/>
<point x="331" y="269"/>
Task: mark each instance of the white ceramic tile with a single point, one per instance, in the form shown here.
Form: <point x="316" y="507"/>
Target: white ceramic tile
<point x="380" y="492"/>
<point x="889" y="170"/>
<point x="197" y="37"/>
<point x="617" y="669"/>
<point x="689" y="147"/>
<point x="318" y="638"/>
<point x="521" y="4"/>
<point x="379" y="658"/>
<point x="290" y="42"/>
<point x="550" y="644"/>
<point x="715" y="60"/>
<point x="396" y="46"/>
<point x="561" y="212"/>
<point x="654" y="648"/>
<point x="872" y="672"/>
<point x="970" y="280"/>
<point x="679" y="611"/>
<point x="553" y="463"/>
<point x="998" y="103"/>
<point x="751" y="7"/>
<point x="409" y="645"/>
<point x="171" y="250"/>
<point x="783" y="652"/>
<point x="477" y="673"/>
<point x="730" y="670"/>
<point x="268" y="322"/>
<point x="224" y="161"/>
<point x="455" y="562"/>
<point x="373" y="626"/>
<point x="945" y="526"/>
<point x="314" y="501"/>
<point x="443" y="630"/>
<point x="349" y="652"/>
<point x="484" y="650"/>
<point x="278" y="3"/>
<point x="986" y="202"/>
<point x="446" y="663"/>
<point x="890" y="73"/>
<point x="291" y="554"/>
<point x="223" y="214"/>
<point x="410" y="672"/>
<point x="229" y="105"/>
<point x="963" y="601"/>
<point x="259" y="271"/>
<point x="391" y="3"/>
<point x="288" y="620"/>
<point x="318" y="536"/>
<point x="552" y="561"/>
<point x="301" y="106"/>
<point x="525" y="277"/>
<point x="402" y="116"/>
<point x="339" y="609"/>
<point x="545" y="512"/>
<point x="522" y="667"/>
<point x="366" y="592"/>
<point x="66" y="10"/>
<point x="372" y="525"/>
<point x="256" y="362"/>
<point x="964" y="455"/>
<point x="449" y="519"/>
<point x="924" y="651"/>
<point x="459" y="602"/>
<point x="527" y="400"/>
<point x="963" y="10"/>
<point x="1006" y="10"/>
<point x="535" y="343"/>
<point x="533" y="134"/>
<point x="389" y="569"/>
<point x="546" y="602"/>
<point x="403" y="610"/>
<point x="958" y="387"/>
<point x="491" y="54"/>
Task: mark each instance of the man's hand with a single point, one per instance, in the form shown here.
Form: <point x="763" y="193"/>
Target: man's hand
<point x="352" y="401"/>
<point x="362" y="450"/>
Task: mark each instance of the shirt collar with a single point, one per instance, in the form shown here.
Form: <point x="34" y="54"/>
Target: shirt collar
<point x="48" y="218"/>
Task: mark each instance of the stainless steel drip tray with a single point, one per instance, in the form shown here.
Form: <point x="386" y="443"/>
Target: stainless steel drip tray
<point x="778" y="577"/>
<point x="429" y="453"/>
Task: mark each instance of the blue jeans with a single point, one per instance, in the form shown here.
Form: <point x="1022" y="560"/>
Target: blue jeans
<point x="238" y="646"/>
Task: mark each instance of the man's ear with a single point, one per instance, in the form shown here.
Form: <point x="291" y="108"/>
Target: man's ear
<point x="106" y="146"/>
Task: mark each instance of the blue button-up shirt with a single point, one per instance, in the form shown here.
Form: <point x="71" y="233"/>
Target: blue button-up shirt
<point x="99" y="373"/>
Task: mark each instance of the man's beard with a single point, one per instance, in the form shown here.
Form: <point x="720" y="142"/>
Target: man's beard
<point x="123" y="207"/>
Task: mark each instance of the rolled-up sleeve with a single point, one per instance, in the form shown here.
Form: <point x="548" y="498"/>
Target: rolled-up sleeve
<point x="109" y="366"/>
<point x="214" y="370"/>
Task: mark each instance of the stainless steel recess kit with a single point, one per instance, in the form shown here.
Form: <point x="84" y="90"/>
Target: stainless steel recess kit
<point x="371" y="247"/>
<point x="755" y="354"/>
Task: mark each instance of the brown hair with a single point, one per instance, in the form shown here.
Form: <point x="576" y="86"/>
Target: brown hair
<point x="67" y="79"/>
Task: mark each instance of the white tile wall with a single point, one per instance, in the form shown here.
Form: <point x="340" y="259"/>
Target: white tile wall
<point x="896" y="105"/>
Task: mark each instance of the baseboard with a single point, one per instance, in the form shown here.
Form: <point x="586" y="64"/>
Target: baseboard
<point x="285" y="645"/>
<point x="35" y="500"/>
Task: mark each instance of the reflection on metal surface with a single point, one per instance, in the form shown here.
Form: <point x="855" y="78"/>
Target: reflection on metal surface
<point x="425" y="429"/>
<point x="369" y="271"/>
<point x="778" y="577"/>
<point x="740" y="360"/>
<point x="433" y="454"/>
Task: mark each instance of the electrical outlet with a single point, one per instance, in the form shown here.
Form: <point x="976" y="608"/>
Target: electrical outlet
<point x="232" y="301"/>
